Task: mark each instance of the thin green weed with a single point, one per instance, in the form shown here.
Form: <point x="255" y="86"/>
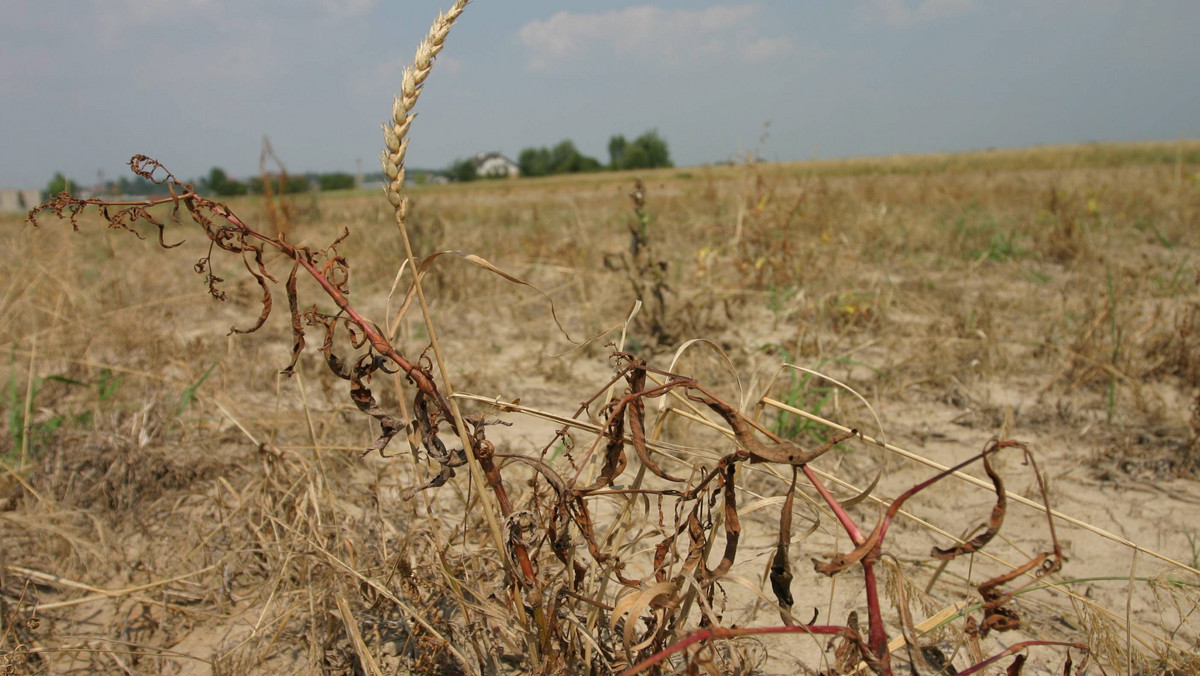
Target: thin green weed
<point x="189" y="392"/>
<point x="19" y="400"/>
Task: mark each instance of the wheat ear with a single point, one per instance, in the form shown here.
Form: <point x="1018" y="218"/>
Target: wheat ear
<point x="395" y="133"/>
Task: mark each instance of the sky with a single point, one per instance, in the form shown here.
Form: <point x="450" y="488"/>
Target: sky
<point x="85" y="84"/>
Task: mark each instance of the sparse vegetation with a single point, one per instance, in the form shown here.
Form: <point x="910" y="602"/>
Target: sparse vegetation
<point x="212" y="514"/>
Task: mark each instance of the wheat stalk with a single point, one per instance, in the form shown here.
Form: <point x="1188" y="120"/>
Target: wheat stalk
<point x="395" y="134"/>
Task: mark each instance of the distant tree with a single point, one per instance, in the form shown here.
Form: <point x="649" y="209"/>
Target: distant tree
<point x="295" y="184"/>
<point x="656" y="149"/>
<point x="635" y="157"/>
<point x="616" y="151"/>
<point x="61" y="183"/>
<point x="336" y="180"/>
<point x="219" y="183"/>
<point x="648" y="151"/>
<point x="216" y="180"/>
<point x="534" y="162"/>
<point x="462" y="170"/>
<point x="563" y="158"/>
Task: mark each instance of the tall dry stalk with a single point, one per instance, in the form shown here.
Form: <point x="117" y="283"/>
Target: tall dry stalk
<point x="395" y="137"/>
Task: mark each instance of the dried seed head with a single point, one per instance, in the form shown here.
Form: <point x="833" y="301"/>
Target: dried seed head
<point x="395" y="135"/>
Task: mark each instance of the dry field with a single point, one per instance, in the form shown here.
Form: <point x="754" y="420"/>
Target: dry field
<point x="170" y="503"/>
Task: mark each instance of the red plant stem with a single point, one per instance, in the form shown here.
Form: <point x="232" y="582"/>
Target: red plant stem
<point x="877" y="640"/>
<point x="877" y="635"/>
<point x="727" y="632"/>
<point x="852" y="529"/>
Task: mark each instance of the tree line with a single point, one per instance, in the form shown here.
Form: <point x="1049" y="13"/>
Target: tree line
<point x="648" y="151"/>
<point x="217" y="183"/>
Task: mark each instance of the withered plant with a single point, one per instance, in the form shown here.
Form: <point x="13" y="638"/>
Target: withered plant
<point x="646" y="271"/>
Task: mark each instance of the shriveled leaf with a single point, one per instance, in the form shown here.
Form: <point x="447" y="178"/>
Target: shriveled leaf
<point x="994" y="523"/>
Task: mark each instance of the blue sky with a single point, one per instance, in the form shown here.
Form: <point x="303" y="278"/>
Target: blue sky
<point x="84" y="84"/>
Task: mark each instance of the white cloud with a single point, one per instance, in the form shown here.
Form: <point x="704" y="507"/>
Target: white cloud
<point x="347" y="7"/>
<point x="668" y="36"/>
<point x="903" y="13"/>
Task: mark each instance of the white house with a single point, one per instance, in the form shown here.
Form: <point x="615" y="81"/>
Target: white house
<point x="492" y="165"/>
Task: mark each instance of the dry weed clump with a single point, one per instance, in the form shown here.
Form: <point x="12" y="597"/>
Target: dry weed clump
<point x="749" y="528"/>
<point x="645" y="270"/>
